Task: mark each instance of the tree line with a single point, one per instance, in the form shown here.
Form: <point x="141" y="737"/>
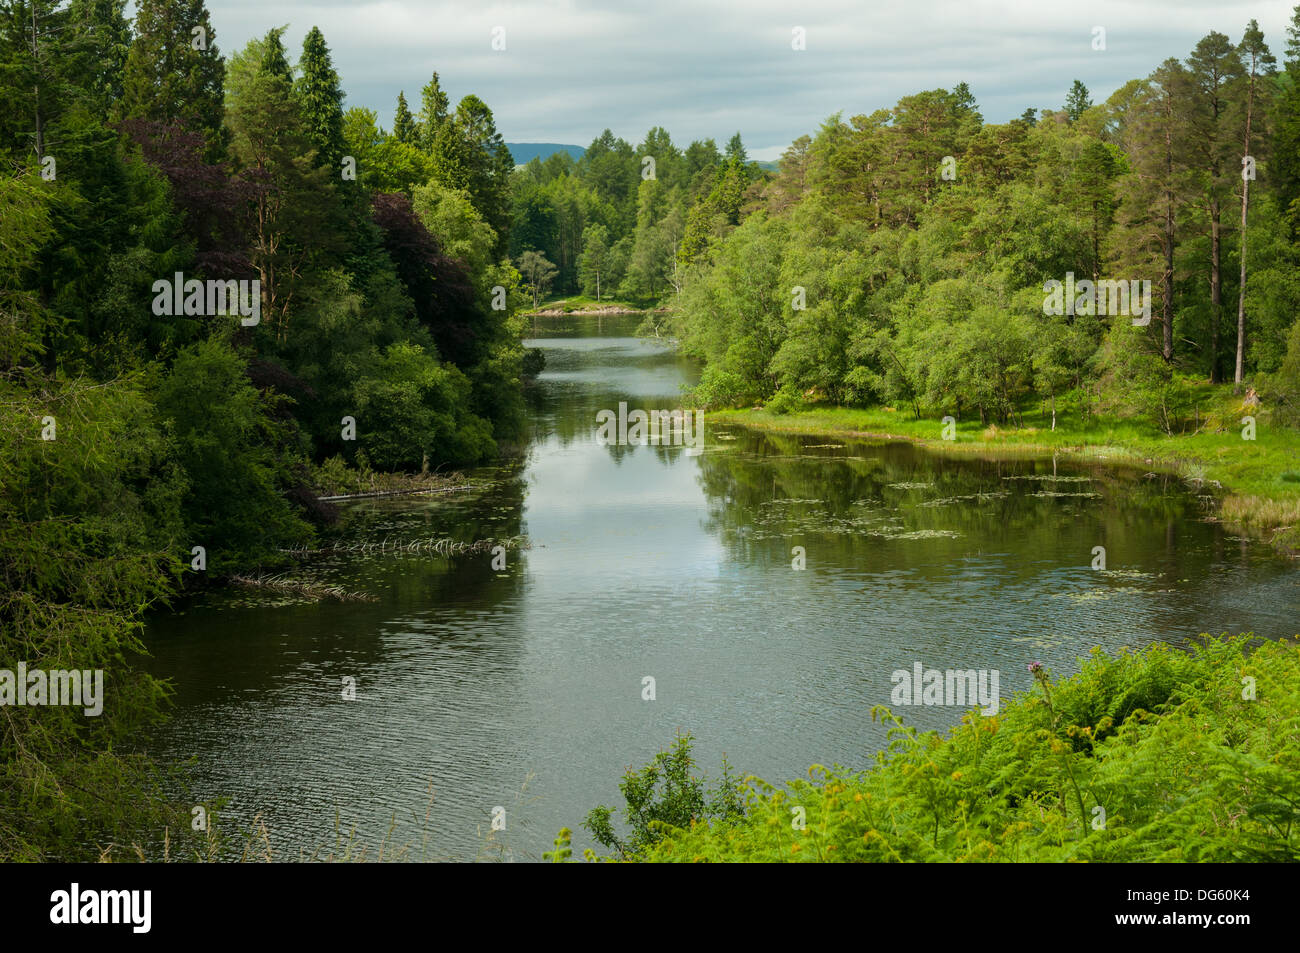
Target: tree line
<point x="902" y="257"/>
<point x="139" y="441"/>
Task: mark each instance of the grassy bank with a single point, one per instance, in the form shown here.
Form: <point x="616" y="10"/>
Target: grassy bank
<point x="1256" y="481"/>
<point x="583" y="304"/>
<point x="1161" y="755"/>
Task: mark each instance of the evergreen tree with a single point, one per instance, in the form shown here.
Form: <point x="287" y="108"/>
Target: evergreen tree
<point x="1077" y="102"/>
<point x="1213" y="68"/>
<point x="433" y="112"/>
<point x="1285" y="166"/>
<point x="1258" y="60"/>
<point x="274" y="60"/>
<point x="320" y="99"/>
<point x="174" y="69"/>
<point x="404" y="130"/>
<point x="736" y="149"/>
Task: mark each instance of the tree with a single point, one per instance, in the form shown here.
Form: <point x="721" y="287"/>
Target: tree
<point x="275" y="62"/>
<point x="538" y="273"/>
<point x="1285" y="165"/>
<point x="1153" y="193"/>
<point x="664" y="795"/>
<point x="595" y="258"/>
<point x="736" y="149"/>
<point x="320" y="99"/>
<point x="1258" y="59"/>
<point x="236" y="457"/>
<point x="174" y="70"/>
<point x="469" y="154"/>
<point x="291" y="196"/>
<point x="433" y="112"/>
<point x="404" y="130"/>
<point x="1212" y="68"/>
<point x="1077" y="101"/>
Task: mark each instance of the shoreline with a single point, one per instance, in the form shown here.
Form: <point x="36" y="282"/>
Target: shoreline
<point x="1271" y="517"/>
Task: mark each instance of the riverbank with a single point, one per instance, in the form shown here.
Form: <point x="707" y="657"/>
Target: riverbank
<point x="1256" y="481"/>
<point x="581" y="305"/>
<point x="1158" y="755"/>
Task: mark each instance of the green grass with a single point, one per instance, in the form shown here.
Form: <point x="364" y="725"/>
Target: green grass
<point x="1256" y="479"/>
<point x="571" y="303"/>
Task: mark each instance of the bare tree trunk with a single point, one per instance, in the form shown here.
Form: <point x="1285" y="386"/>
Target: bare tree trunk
<point x="1239" y="373"/>
<point x="1167" y="306"/>
<point x="1216" y="288"/>
<point x="36" y="90"/>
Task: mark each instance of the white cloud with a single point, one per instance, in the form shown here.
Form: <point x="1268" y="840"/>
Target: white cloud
<point x="573" y="67"/>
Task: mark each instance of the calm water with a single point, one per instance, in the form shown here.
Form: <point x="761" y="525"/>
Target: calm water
<point x="523" y="688"/>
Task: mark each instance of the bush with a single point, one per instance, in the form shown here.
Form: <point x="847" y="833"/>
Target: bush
<point x="787" y="400"/>
<point x="722" y="388"/>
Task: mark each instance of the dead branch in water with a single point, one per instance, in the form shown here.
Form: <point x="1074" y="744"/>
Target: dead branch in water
<point x="301" y="587"/>
<point x="411" y="492"/>
<point x="442" y="546"/>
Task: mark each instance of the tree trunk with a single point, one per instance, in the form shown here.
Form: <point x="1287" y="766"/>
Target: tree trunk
<point x="1239" y="373"/>
<point x="1167" y="306"/>
<point x="1216" y="289"/>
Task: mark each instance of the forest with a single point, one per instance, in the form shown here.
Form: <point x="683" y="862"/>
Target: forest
<point x="903" y="256"/>
<point x="143" y="450"/>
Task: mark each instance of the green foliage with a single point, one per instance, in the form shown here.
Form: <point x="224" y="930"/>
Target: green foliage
<point x="1187" y="763"/>
<point x="412" y="411"/>
<point x="664" y="796"/>
<point x="90" y="532"/>
<point x="238" y="459"/>
<point x="167" y="76"/>
<point x="320" y="100"/>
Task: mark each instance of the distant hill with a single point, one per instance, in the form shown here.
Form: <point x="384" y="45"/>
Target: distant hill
<point x="524" y="152"/>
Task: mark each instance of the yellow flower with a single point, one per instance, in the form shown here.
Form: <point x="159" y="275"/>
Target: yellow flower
<point x="795" y="848"/>
<point x="956" y="775"/>
<point x="857" y="797"/>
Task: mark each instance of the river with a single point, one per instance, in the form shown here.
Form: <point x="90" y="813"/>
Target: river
<point x="524" y="688"/>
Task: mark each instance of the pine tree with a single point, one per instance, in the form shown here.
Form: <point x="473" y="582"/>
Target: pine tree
<point x="736" y="148"/>
<point x="104" y="39"/>
<point x="274" y="60"/>
<point x="403" y="122"/>
<point x="1255" y="54"/>
<point x="174" y="70"/>
<point x="320" y="99"/>
<point x="433" y="112"/>
<point x="1077" y="102"/>
<point x="1285" y="167"/>
<point x="1213" y="67"/>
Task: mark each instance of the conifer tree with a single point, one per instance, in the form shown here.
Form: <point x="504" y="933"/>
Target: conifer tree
<point x="320" y="99"/>
<point x="174" y="70"/>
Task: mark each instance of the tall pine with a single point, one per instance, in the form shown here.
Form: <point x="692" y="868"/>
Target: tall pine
<point x="174" y="70"/>
<point x="320" y="99"/>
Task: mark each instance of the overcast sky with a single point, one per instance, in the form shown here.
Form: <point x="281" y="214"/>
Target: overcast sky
<point x="571" y="68"/>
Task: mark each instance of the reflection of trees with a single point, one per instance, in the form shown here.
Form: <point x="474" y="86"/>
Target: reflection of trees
<point x="579" y="383"/>
<point x="848" y="510"/>
<point x="414" y="583"/>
